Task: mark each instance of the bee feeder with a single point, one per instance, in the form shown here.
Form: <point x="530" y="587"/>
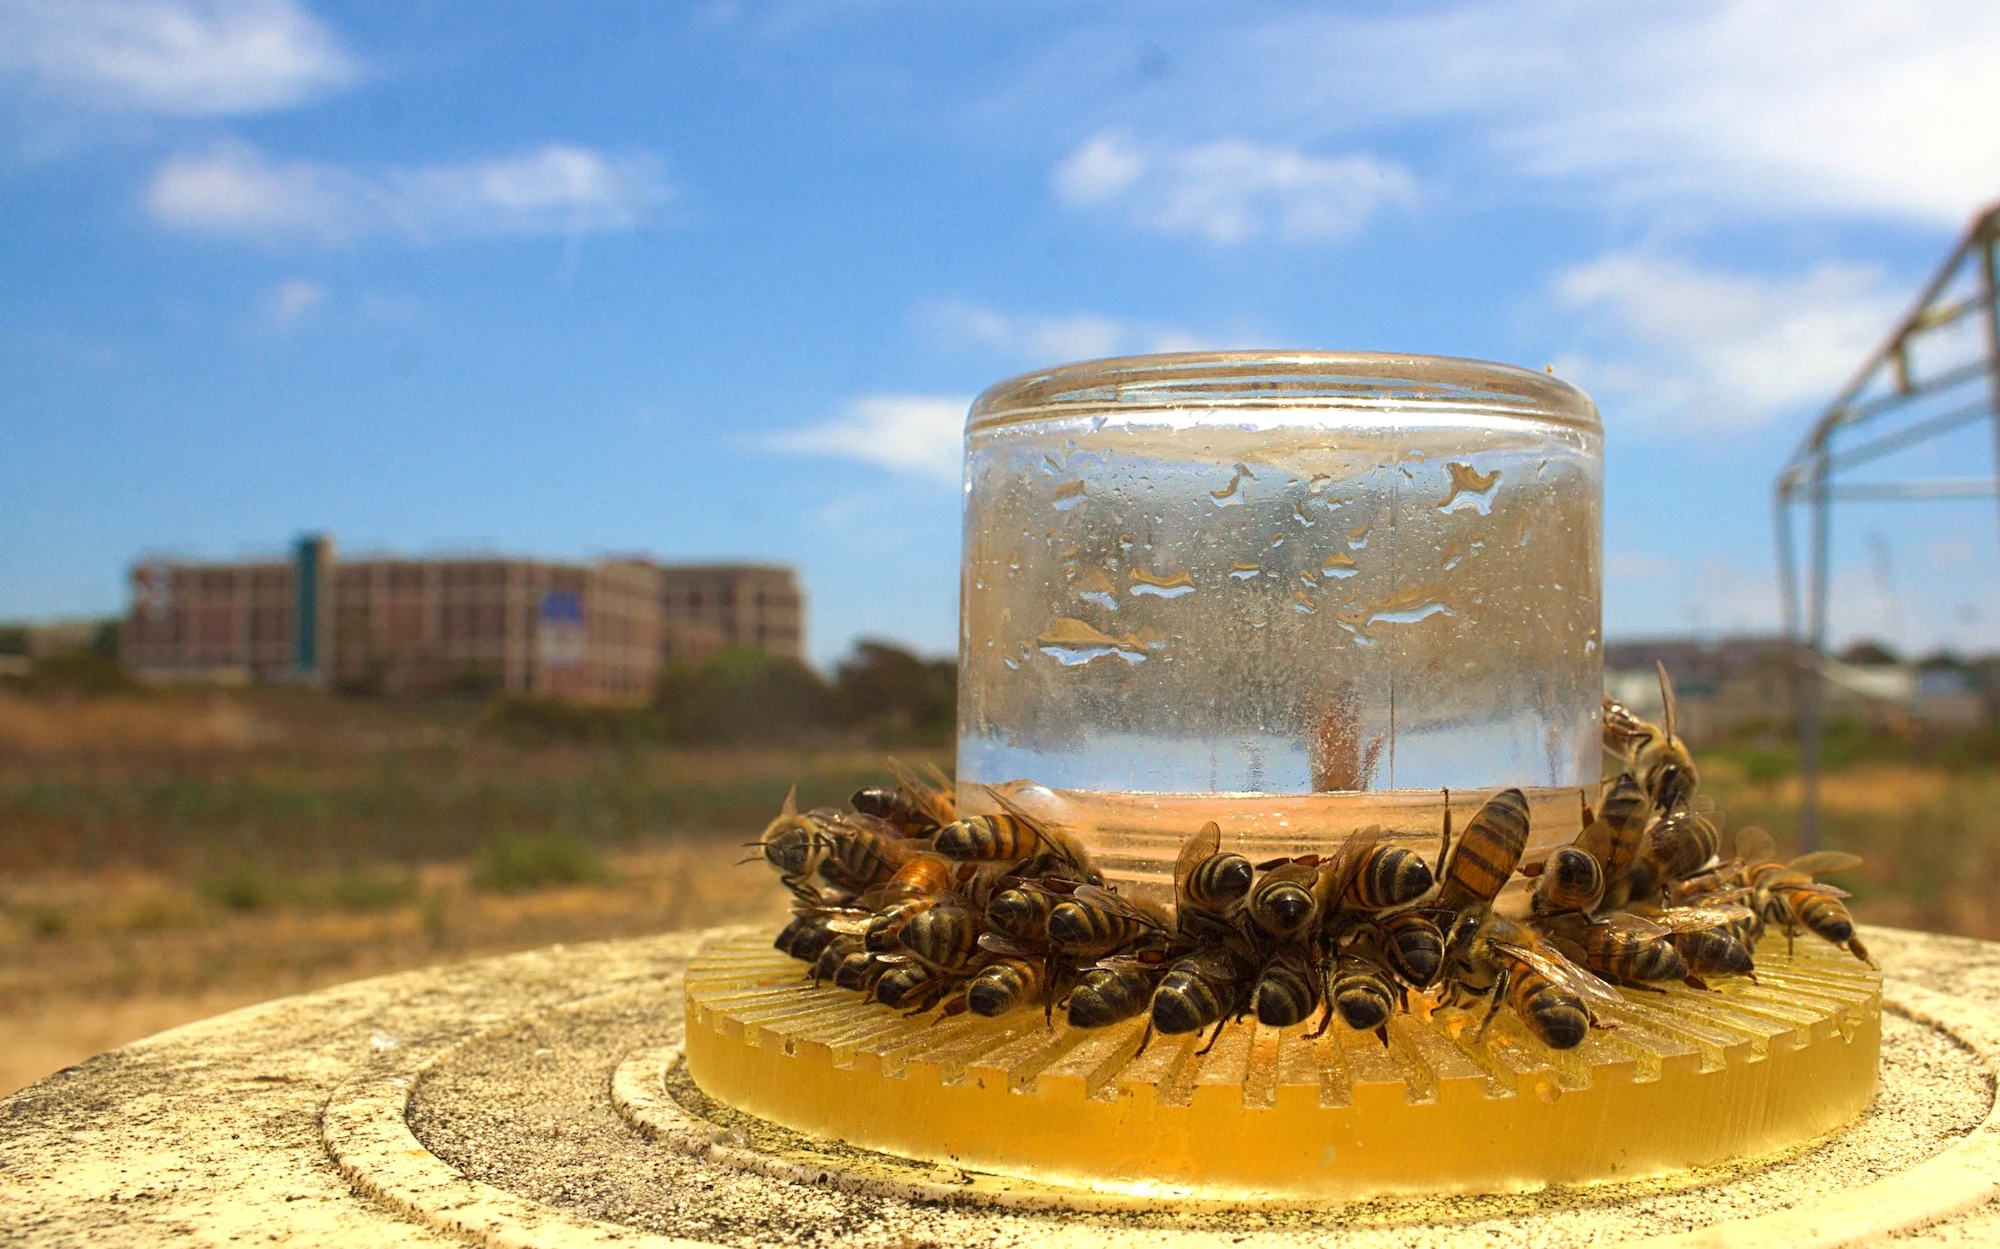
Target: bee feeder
<point x="1294" y="594"/>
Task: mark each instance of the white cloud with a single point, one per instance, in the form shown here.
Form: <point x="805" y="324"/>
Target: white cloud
<point x="293" y="300"/>
<point x="556" y="189"/>
<point x="1708" y="346"/>
<point x="919" y="434"/>
<point x="1770" y="106"/>
<point x="1053" y="339"/>
<point x="1229" y="190"/>
<point x="175" y="57"/>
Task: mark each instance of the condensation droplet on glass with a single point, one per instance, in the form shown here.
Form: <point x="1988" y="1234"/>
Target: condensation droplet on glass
<point x="1357" y="538"/>
<point x="1301" y="603"/>
<point x="1339" y="564"/>
<point x="1470" y="488"/>
<point x="1277" y="540"/>
<point x="1069" y="494"/>
<point x="1299" y="515"/>
<point x="1092" y="586"/>
<point x="1306" y="575"/>
<point x="1232" y="494"/>
<point x="1525" y="535"/>
<point x="1243" y="572"/>
<point x="1172" y="585"/>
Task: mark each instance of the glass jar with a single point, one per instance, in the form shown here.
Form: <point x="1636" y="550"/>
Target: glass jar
<point x="1200" y="582"/>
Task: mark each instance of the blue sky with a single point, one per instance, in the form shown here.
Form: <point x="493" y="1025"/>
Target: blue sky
<point x="718" y="280"/>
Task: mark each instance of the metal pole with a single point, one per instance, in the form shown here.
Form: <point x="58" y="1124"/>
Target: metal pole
<point x="1987" y="231"/>
<point x="1809" y="728"/>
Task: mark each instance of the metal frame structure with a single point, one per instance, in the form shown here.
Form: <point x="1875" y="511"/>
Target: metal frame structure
<point x="1902" y="397"/>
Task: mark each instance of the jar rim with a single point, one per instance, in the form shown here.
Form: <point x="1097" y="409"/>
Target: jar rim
<point x="1361" y="380"/>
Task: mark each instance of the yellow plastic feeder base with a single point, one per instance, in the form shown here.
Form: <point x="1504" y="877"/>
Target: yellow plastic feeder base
<point x="1684" y="1079"/>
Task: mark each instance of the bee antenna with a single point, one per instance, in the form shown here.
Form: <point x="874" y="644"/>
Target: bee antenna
<point x="1666" y="695"/>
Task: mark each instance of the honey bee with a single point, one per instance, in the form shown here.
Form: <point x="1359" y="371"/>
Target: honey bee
<point x="1289" y="988"/>
<point x="917" y="806"/>
<point x="912" y="985"/>
<point x="915" y="887"/>
<point x="1654" y="754"/>
<point x="1571" y="881"/>
<point x="1787" y="895"/>
<point x="804" y="938"/>
<point x="1492" y="957"/>
<point x="1281" y="901"/>
<point x="795" y="846"/>
<point x="1676" y="848"/>
<point x="1411" y="945"/>
<point x="944" y="938"/>
<point x="1207" y="883"/>
<point x="832" y="955"/>
<point x="1014" y="978"/>
<point x="1613" y="835"/>
<point x="861" y="851"/>
<point x="859" y="971"/>
<point x="1207" y="987"/>
<point x="1114" y="989"/>
<point x="1015" y="836"/>
<point x="1368" y="876"/>
<point x="1709" y="939"/>
<point x="1487" y="852"/>
<point x="1021" y="912"/>
<point x="1094" y="922"/>
<point x="1362" y="995"/>
<point x="1625" y="949"/>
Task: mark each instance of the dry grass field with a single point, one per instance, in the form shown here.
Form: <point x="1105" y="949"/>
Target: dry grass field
<point x="164" y="857"/>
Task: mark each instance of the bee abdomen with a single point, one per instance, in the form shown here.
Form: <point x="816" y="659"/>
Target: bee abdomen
<point x="944" y="937"/>
<point x="1020" y="913"/>
<point x="804" y="938"/>
<point x="1363" y="1002"/>
<point x="1571" y="881"/>
<point x="1088" y="931"/>
<point x="1714" y="953"/>
<point x="1391" y="877"/>
<point x="1286" y="994"/>
<point x="1219" y="880"/>
<point x="1555" y="1015"/>
<point x="1416" y="950"/>
<point x="1827" y="917"/>
<point x="1490" y="848"/>
<point x="1105" y="996"/>
<point x="987" y="838"/>
<point x="1184" y="1002"/>
<point x="900" y="985"/>
<point x="1003" y="986"/>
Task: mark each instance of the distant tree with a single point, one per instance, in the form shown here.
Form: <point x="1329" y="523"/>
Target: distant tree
<point x="1868" y="652"/>
<point x="741" y="695"/>
<point x="895" y="696"/>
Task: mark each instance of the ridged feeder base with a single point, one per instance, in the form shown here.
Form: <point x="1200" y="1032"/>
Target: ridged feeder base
<point x="1685" y="1079"/>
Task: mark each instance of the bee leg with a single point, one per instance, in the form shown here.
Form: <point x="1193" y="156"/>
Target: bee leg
<point x="1499" y="996"/>
<point x="1382" y="1034"/>
<point x="1145" y="1038"/>
<point x="1444" y="841"/>
<point x="955" y="1006"/>
<point x="1220" y="1024"/>
<point x="1325" y="1018"/>
<point x="1693" y="981"/>
<point x="1642" y="986"/>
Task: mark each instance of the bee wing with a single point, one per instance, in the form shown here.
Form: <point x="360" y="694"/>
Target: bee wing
<point x="1197" y="850"/>
<point x="921" y="794"/>
<point x="1698" y="918"/>
<point x="994" y="943"/>
<point x="1302" y="874"/>
<point x="1565" y="973"/>
<point x="1821" y="861"/>
<point x="1830" y="891"/>
<point x="1110" y="901"/>
<point x="1754" y="845"/>
<point x="947" y="793"/>
<point x="1637" y="925"/>
<point x="791" y="806"/>
<point x="849" y="925"/>
<point x="1666" y="697"/>
<point x="1596" y="840"/>
<point x="1347" y="863"/>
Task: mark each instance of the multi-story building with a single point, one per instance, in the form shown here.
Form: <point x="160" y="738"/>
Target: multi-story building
<point x="595" y="632"/>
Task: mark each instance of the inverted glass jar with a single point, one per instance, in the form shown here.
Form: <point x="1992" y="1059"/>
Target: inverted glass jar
<point x="1279" y="574"/>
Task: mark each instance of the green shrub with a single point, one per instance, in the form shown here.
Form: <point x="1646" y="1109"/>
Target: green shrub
<point x="364" y="892"/>
<point x="243" y="886"/>
<point x="515" y="864"/>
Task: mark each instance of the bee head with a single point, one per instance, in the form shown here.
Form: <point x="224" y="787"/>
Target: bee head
<point x="1285" y="908"/>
